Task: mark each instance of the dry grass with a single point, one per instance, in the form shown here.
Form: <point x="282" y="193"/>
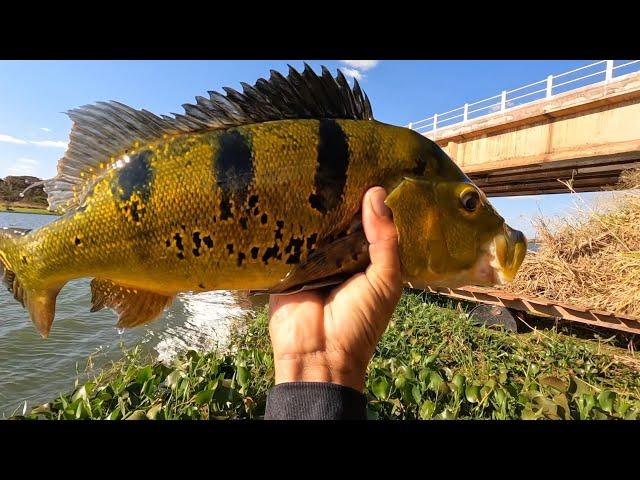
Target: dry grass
<point x="591" y="259"/>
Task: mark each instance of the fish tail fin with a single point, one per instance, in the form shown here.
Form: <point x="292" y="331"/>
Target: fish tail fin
<point x="41" y="303"/>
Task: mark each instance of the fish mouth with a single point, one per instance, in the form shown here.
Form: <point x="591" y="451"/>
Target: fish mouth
<point x="508" y="249"/>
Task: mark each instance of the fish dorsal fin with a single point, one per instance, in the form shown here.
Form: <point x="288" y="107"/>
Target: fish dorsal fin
<point x="104" y="131"/>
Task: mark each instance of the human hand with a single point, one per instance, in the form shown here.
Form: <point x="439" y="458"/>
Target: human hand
<point x="331" y="337"/>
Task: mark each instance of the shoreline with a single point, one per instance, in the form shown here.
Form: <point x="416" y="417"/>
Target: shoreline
<point x="26" y="209"/>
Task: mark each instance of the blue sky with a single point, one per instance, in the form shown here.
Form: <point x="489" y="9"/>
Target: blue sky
<point x="34" y="94"/>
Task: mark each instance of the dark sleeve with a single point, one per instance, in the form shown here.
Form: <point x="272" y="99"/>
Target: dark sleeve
<point x="315" y="401"/>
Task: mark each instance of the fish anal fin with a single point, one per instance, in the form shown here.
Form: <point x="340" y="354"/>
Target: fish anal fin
<point x="134" y="306"/>
<point x="330" y="264"/>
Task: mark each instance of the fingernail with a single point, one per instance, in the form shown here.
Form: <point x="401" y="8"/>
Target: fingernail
<point x="376" y="198"/>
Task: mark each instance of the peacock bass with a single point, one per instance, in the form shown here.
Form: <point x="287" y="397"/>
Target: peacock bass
<point x="259" y="190"/>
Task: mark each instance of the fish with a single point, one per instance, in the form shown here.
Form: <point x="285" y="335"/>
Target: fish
<point x="258" y="191"/>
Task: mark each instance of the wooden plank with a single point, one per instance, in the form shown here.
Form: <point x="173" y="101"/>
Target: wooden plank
<point x="544" y="307"/>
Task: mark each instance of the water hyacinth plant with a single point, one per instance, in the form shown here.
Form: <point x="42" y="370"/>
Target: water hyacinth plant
<point x="432" y="363"/>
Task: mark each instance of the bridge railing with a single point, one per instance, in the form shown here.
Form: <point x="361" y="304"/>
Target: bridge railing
<point x="601" y="71"/>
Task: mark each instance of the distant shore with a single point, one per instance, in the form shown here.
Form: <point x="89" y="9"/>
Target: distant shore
<point x="12" y="208"/>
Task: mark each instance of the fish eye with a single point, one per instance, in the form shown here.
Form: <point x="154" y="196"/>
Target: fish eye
<point x="470" y="200"/>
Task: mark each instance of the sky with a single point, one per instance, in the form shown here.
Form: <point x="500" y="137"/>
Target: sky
<point x="34" y="95"/>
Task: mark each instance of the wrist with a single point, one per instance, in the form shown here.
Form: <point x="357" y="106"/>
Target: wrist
<point x="318" y="367"/>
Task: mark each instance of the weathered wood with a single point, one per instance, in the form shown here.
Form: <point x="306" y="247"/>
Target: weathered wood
<point x="543" y="307"/>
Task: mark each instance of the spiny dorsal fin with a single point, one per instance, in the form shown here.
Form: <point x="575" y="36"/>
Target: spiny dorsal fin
<point x="104" y="131"/>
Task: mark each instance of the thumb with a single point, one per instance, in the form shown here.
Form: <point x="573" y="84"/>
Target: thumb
<point x="384" y="272"/>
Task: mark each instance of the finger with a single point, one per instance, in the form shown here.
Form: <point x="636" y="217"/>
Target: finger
<point x="382" y="235"/>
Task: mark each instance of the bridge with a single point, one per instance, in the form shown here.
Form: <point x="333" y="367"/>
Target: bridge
<point x="582" y="126"/>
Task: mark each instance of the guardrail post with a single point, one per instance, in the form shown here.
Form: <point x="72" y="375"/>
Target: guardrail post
<point x="549" y="86"/>
<point x="465" y="116"/>
<point x="410" y="125"/>
<point x="503" y="101"/>
<point x="609" y="71"/>
<point x="435" y="122"/>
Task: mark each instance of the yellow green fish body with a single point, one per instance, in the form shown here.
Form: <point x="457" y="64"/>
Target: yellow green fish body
<point x="199" y="203"/>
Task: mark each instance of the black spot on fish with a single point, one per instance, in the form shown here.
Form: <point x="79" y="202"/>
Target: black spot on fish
<point x="77" y="242"/>
<point x="183" y="227"/>
<point x="254" y="252"/>
<point x="196" y="239"/>
<point x="225" y="209"/>
<point x="331" y="170"/>
<point x="196" y="252"/>
<point x="271" y="252"/>
<point x="233" y="166"/>
<point x="230" y="248"/>
<point x="311" y="240"/>
<point x="135" y="211"/>
<point x="201" y="285"/>
<point x="208" y="242"/>
<point x="253" y="201"/>
<point x="278" y="230"/>
<point x="178" y="240"/>
<point x="134" y="176"/>
<point x="180" y="255"/>
<point x="421" y="165"/>
<point x="243" y="223"/>
<point x="264" y="219"/>
<point x="167" y="243"/>
<point x="256" y="211"/>
<point x="241" y="257"/>
<point x="24" y="260"/>
<point x="293" y="259"/>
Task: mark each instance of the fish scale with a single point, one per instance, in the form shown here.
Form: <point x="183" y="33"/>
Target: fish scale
<point x="247" y="192"/>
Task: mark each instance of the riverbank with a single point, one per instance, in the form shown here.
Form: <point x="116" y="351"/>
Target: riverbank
<point x="20" y="208"/>
<point x="432" y="362"/>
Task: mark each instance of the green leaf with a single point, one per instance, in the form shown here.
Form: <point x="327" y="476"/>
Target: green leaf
<point x="606" y="399"/>
<point x="137" y="415"/>
<point x="243" y="376"/>
<point x="459" y="382"/>
<point x="427" y="409"/>
<point x="554" y="382"/>
<point x="152" y="413"/>
<point x="417" y="395"/>
<point x="472" y="392"/>
<point x="204" y="396"/>
<point x="435" y="382"/>
<point x="173" y="378"/>
<point x="380" y="388"/>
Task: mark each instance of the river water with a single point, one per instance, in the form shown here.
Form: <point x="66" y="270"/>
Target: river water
<point x="37" y="370"/>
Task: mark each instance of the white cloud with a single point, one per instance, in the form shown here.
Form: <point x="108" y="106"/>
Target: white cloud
<point x="10" y="139"/>
<point x="39" y="143"/>
<point x="49" y="143"/>
<point x="352" y="73"/>
<point x="363" y="65"/>
<point x="23" y="166"/>
<point x="30" y="161"/>
<point x="45" y="129"/>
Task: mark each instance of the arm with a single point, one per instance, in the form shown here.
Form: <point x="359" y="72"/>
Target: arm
<point x="322" y="343"/>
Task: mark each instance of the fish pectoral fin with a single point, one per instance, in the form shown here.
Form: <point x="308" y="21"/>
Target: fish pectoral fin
<point x="133" y="305"/>
<point x="331" y="264"/>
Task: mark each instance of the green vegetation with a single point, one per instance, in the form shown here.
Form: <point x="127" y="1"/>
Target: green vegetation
<point x="432" y="363"/>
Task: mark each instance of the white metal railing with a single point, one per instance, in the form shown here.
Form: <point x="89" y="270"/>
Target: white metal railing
<point x="547" y="88"/>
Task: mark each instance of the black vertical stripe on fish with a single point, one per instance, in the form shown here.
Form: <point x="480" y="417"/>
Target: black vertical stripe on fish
<point x="331" y="170"/>
<point x="134" y="176"/>
<point x="233" y="167"/>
